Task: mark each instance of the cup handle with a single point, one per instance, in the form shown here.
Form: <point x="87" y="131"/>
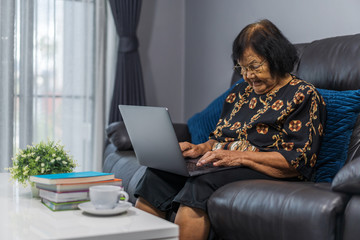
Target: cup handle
<point x="123" y="194"/>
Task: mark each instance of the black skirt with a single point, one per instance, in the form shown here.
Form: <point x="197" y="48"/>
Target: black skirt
<point x="166" y="191"/>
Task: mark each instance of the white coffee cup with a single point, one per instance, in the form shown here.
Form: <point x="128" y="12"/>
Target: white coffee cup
<point x="107" y="197"/>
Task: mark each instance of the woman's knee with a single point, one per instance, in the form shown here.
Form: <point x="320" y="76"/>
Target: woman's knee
<point x="190" y="212"/>
<point x="144" y="205"/>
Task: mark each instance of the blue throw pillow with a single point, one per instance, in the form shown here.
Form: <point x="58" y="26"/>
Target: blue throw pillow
<point x="343" y="108"/>
<point x="203" y="123"/>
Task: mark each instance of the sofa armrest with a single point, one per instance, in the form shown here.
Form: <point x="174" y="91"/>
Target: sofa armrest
<point x="347" y="180"/>
<point x="117" y="134"/>
<point x="264" y="209"/>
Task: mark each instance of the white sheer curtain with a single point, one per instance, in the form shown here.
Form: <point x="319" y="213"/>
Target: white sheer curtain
<point x="53" y="75"/>
<point x="7" y="23"/>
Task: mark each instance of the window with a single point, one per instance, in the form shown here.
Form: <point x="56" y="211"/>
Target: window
<point x="55" y="84"/>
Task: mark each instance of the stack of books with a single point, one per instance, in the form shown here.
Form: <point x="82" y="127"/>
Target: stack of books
<point x="65" y="191"/>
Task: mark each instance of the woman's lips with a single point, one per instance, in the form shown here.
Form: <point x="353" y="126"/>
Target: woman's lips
<point x="256" y="83"/>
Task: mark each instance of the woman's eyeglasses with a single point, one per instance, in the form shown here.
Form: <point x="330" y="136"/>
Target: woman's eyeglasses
<point x="255" y="69"/>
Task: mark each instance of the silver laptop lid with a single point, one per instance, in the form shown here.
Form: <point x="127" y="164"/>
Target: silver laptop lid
<point x="153" y="138"/>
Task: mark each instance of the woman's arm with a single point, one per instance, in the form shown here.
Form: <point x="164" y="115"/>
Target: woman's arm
<point x="269" y="163"/>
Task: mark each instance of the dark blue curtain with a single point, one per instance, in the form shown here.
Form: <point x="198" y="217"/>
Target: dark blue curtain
<point x="129" y="86"/>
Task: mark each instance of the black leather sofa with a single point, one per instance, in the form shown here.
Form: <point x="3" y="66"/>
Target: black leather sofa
<point x="259" y="209"/>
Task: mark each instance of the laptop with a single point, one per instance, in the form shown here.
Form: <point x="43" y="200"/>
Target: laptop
<point x="155" y="143"/>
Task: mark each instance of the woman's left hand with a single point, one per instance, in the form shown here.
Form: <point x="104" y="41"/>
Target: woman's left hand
<point x="221" y="157"/>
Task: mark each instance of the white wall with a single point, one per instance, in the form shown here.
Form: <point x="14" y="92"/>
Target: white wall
<point x="161" y="36"/>
<point x="186" y="44"/>
<point x="212" y="25"/>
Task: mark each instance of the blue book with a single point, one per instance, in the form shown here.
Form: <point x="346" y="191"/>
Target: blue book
<point x="74" y="177"/>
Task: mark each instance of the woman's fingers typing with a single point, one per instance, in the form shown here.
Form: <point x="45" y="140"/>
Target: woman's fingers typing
<point x="220" y="158"/>
<point x="189" y="149"/>
<point x="207" y="158"/>
<point x="184" y="146"/>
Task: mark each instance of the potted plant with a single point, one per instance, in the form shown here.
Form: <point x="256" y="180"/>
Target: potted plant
<point x="42" y="158"/>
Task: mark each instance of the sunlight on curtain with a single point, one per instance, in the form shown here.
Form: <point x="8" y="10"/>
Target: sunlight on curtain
<point x="7" y="24"/>
<point x="55" y="77"/>
<point x="64" y="75"/>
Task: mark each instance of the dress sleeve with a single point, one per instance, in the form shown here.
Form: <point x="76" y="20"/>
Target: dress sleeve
<point x="303" y="127"/>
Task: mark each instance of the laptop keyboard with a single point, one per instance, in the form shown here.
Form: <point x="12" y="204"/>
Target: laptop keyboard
<point x="191" y="165"/>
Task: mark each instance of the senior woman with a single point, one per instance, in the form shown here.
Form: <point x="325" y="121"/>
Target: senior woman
<point x="270" y="127"/>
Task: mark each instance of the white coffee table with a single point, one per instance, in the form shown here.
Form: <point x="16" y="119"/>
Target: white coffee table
<point x="24" y="217"/>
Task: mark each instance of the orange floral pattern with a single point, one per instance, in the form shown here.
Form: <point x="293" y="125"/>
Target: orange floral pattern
<point x="236" y="125"/>
<point x="295" y="125"/>
<point x="299" y="98"/>
<point x="231" y="98"/>
<point x="253" y="103"/>
<point x="288" y="146"/>
<point x="277" y="105"/>
<point x="262" y="128"/>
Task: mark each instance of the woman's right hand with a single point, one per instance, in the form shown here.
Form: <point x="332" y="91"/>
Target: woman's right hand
<point x="193" y="151"/>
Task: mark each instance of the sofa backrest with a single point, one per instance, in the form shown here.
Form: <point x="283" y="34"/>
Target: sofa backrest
<point x="331" y="63"/>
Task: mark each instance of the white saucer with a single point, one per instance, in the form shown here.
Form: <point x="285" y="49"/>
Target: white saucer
<point x="88" y="207"/>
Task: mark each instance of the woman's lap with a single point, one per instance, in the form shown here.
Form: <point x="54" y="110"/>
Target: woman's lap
<point x="167" y="191"/>
<point x="159" y="188"/>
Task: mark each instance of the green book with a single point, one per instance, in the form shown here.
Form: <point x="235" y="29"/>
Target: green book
<point x="61" y="206"/>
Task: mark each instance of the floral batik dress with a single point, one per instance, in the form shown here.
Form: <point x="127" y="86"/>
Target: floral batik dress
<point x="289" y="120"/>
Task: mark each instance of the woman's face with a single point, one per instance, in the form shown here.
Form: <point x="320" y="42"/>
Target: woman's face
<point x="256" y="72"/>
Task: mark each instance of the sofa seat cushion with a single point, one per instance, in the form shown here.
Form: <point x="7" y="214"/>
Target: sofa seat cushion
<point x="352" y="219"/>
<point x="264" y="209"/>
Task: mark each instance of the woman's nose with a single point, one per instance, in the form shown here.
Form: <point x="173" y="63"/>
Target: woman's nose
<point x="248" y="74"/>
